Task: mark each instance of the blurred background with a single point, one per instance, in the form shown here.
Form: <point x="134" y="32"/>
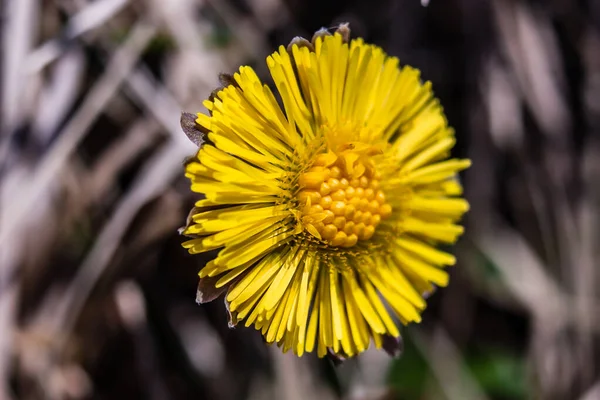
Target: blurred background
<point x="97" y="297"/>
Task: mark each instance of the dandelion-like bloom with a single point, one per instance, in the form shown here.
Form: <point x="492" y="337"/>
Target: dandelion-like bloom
<point x="327" y="213"/>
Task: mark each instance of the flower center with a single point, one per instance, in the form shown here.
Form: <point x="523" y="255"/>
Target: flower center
<point x="340" y="199"/>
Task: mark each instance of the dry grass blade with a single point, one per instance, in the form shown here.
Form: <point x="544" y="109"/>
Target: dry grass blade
<point x="117" y="70"/>
<point x="523" y="273"/>
<point x="593" y="393"/>
<point x="445" y="361"/>
<point x="90" y="17"/>
<point x="8" y="299"/>
<point x="158" y="102"/>
<point x="59" y="94"/>
<point x="532" y="51"/>
<point x="158" y="172"/>
<point x="137" y="139"/>
<point x="18" y="34"/>
<point x="293" y="379"/>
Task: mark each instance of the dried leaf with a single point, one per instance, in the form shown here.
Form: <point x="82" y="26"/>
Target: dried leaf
<point x="227" y="80"/>
<point x="427" y="294"/>
<point x="336" y="359"/>
<point x="189" y="221"/>
<point x="192" y="130"/>
<point x="320" y="33"/>
<point x="212" y="96"/>
<point x="300" y="42"/>
<point x="344" y="30"/>
<point x="231" y="319"/>
<point x="394" y="346"/>
<point x="207" y="291"/>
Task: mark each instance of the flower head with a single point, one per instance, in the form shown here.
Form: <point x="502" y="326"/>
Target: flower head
<point x="326" y="213"/>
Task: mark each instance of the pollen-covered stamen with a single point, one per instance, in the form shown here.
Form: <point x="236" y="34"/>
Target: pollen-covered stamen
<point x="341" y="202"/>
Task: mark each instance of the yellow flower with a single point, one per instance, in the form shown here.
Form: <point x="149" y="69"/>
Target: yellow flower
<point x="326" y="213"/>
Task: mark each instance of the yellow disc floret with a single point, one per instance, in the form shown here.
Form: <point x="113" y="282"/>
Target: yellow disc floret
<point x="340" y="199"/>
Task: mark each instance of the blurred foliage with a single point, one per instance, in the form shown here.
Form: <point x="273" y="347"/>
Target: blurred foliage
<point x="501" y="375"/>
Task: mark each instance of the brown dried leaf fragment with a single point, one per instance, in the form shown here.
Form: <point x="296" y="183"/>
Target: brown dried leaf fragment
<point x="300" y="42"/>
<point x="320" y="33"/>
<point x="192" y="130"/>
<point x="394" y="346"/>
<point x="207" y="290"/>
<point x="336" y="359"/>
<point x="344" y="30"/>
<point x="227" y="80"/>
